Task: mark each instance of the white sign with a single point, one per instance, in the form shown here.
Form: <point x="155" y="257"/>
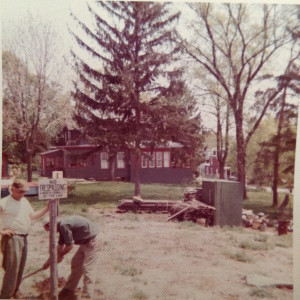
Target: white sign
<point x="53" y="189"/>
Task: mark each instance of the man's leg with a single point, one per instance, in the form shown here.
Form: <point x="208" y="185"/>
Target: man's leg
<point x="22" y="265"/>
<point x="12" y="251"/>
<point x="76" y="270"/>
<point x="91" y="255"/>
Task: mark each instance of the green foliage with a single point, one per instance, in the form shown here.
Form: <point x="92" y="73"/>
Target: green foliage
<point x="31" y="102"/>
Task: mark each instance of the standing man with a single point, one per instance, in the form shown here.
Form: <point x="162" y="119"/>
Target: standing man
<point x="16" y="215"/>
<point x="77" y="230"/>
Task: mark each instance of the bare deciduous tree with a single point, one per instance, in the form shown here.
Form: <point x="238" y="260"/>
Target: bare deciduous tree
<point x="32" y="96"/>
<point x="233" y="47"/>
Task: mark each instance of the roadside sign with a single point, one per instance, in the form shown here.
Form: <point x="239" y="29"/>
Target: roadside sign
<point x="53" y="189"/>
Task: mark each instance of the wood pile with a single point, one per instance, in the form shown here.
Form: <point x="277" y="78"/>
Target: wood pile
<point x="191" y="193"/>
<point x="195" y="211"/>
<point x="135" y="205"/>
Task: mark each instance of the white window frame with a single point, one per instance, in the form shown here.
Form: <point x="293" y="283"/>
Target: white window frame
<point x="152" y="160"/>
<point x="104" y="160"/>
<point x="144" y="161"/>
<point x="166" y="159"/>
<point x="121" y="160"/>
<point x="159" y="159"/>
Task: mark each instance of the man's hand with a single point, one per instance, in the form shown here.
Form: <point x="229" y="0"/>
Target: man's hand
<point x="60" y="258"/>
<point x="46" y="264"/>
<point x="8" y="232"/>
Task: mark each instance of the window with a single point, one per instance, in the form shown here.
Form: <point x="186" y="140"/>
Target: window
<point x="120" y="160"/>
<point x="52" y="162"/>
<point x="166" y="159"/>
<point x="104" y="160"/>
<point x="75" y="162"/>
<point x="152" y="161"/>
<point x="159" y="161"/>
<point x="144" y="162"/>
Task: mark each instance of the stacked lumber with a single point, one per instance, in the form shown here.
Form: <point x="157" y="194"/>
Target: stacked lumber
<point x="194" y="210"/>
<point x="136" y="205"/>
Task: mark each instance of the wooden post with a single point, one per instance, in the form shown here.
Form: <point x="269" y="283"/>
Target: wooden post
<point x="53" y="189"/>
<point x="53" y="251"/>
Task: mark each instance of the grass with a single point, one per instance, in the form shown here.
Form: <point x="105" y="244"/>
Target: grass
<point x="252" y="245"/>
<point x="240" y="256"/>
<point x="139" y="295"/>
<point x="107" y="194"/>
<point x="261" y="201"/>
<point x="284" y="241"/>
<point x="128" y="271"/>
<point x="260" y="293"/>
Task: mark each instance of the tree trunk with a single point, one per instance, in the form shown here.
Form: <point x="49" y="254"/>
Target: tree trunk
<point x="241" y="154"/>
<point x="275" y="176"/>
<point x="277" y="152"/>
<point x="221" y="149"/>
<point x="221" y="169"/>
<point x="29" y="166"/>
<point x="137" y="182"/>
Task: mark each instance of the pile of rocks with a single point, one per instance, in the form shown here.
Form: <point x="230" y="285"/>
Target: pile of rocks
<point x="258" y="221"/>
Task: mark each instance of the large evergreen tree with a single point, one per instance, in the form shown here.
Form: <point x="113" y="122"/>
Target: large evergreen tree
<point x="130" y="94"/>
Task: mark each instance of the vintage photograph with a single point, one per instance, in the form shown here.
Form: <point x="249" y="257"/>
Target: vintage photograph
<point x="149" y="150"/>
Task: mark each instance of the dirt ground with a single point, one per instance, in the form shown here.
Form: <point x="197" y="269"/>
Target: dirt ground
<point x="145" y="257"/>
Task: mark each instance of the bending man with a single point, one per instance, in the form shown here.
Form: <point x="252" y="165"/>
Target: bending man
<point x="77" y="230"/>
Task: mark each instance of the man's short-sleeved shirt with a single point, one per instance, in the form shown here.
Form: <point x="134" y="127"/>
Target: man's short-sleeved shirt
<point x="76" y="229"/>
<point x="16" y="214"/>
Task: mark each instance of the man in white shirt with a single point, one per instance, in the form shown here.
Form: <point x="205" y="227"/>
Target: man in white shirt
<point x="16" y="215"/>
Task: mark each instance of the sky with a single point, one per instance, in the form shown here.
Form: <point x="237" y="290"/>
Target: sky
<point x="57" y="12"/>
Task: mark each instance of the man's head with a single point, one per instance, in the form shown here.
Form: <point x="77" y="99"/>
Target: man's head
<point x="18" y="188"/>
<point x="46" y="225"/>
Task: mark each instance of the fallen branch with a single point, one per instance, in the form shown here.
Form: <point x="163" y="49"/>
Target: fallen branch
<point x="178" y="213"/>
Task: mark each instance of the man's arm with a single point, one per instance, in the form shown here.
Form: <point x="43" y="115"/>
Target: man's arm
<point x="62" y="250"/>
<point x="37" y="214"/>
